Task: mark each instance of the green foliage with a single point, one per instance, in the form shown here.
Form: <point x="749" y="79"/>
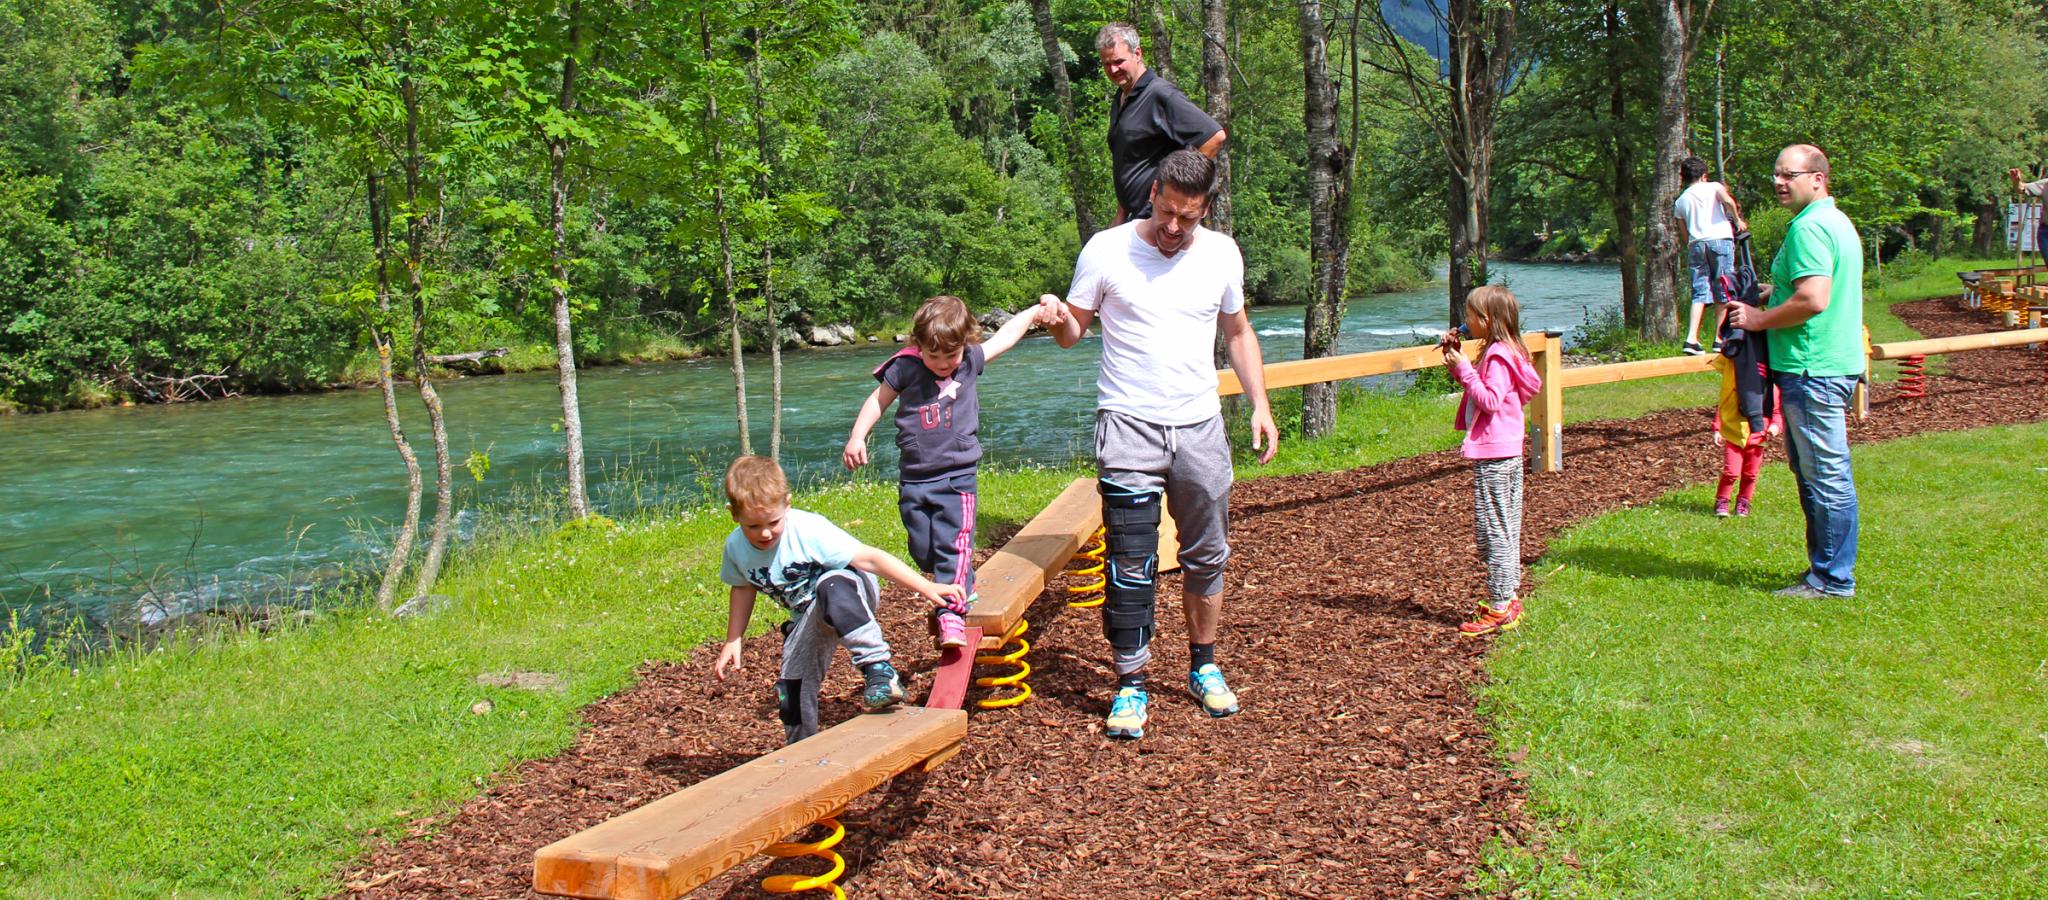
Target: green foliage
<point x="1604" y="335"/>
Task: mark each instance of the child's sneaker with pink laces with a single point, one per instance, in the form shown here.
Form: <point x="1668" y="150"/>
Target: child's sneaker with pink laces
<point x="1742" y="507"/>
<point x="1721" y="509"/>
<point x="952" y="630"/>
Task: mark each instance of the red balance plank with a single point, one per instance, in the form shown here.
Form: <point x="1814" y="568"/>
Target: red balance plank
<point x="956" y="670"/>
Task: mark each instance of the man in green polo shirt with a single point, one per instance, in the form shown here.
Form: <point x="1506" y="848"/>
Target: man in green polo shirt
<point x="1814" y="321"/>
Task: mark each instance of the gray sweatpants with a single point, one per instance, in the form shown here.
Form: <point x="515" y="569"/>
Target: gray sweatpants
<point x="841" y="613"/>
<point x="1497" y="524"/>
<point x="1191" y="464"/>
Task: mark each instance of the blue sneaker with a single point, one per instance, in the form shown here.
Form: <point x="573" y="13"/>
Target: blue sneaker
<point x="1206" y="683"/>
<point x="882" y="689"/>
<point x="1128" y="714"/>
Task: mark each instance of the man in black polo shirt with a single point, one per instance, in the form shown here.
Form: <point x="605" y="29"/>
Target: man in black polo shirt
<point x="1148" y="118"/>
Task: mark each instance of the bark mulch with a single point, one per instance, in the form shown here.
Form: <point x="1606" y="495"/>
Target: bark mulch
<point x="1359" y="766"/>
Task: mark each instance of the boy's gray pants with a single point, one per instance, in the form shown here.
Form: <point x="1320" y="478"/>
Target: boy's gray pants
<point x="841" y="613"/>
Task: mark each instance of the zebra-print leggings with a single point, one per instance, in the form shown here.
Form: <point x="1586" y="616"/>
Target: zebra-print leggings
<point x="1497" y="523"/>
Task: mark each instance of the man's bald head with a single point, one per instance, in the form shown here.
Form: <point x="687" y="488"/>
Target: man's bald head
<point x="1804" y="157"/>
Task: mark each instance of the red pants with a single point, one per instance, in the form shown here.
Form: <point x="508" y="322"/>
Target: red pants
<point x="1739" y="462"/>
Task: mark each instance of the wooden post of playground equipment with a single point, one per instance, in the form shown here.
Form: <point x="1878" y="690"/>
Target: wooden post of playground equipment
<point x="1547" y="412"/>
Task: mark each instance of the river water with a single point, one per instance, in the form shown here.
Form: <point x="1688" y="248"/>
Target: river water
<point x="261" y="498"/>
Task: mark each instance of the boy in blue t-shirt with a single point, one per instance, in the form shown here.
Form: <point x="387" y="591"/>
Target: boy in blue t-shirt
<point x="825" y="578"/>
<point x="935" y="431"/>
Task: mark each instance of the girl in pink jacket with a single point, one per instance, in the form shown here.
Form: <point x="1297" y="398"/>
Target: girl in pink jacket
<point x="1491" y="417"/>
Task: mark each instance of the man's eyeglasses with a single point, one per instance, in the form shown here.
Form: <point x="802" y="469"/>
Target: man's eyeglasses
<point x="1788" y="176"/>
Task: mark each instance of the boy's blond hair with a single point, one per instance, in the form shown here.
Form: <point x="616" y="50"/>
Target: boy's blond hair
<point x="944" y="324"/>
<point x="755" y="482"/>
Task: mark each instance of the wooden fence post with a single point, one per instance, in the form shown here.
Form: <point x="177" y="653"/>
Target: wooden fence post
<point x="1547" y="412"/>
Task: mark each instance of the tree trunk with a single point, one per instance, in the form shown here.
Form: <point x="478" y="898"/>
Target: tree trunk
<point x="380" y="335"/>
<point x="1329" y="234"/>
<point x="1160" y="56"/>
<point x="565" y="338"/>
<point x="1624" y="195"/>
<point x="1056" y="65"/>
<point x="1216" y="93"/>
<point x="1721" y="111"/>
<point x="1661" y="294"/>
<point x="415" y="263"/>
<point x="1481" y="39"/>
<point x="1986" y="230"/>
<point x="1460" y="226"/>
<point x="725" y="279"/>
<point x="762" y="173"/>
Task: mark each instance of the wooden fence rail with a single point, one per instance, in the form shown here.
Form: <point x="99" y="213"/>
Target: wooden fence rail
<point x="1546" y="411"/>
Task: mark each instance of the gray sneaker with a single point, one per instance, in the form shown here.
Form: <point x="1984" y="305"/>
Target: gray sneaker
<point x="1799" y="591"/>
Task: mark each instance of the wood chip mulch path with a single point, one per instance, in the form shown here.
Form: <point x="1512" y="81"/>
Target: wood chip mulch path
<point x="1358" y="767"/>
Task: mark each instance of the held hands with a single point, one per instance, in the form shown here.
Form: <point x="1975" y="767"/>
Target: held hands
<point x="855" y="455"/>
<point x="1050" y="312"/>
<point x="728" y="658"/>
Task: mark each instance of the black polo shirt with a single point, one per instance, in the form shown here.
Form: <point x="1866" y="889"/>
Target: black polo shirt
<point x="1155" y="120"/>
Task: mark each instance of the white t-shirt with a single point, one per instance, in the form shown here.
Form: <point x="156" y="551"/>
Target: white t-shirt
<point x="1158" y="316"/>
<point x="1700" y="208"/>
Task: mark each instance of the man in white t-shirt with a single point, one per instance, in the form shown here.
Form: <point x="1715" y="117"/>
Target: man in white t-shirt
<point x="1161" y="286"/>
<point x="1710" y="219"/>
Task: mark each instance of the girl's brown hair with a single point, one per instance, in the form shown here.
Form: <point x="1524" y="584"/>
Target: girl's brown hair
<point x="943" y="325"/>
<point x="1503" y="315"/>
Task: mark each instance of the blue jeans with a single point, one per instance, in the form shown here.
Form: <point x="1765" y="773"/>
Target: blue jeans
<point x="1817" y="445"/>
<point x="1710" y="260"/>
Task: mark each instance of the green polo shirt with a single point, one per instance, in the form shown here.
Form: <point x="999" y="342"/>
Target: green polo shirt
<point x="1820" y="241"/>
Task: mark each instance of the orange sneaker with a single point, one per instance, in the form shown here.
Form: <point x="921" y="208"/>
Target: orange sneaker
<point x="1490" y="620"/>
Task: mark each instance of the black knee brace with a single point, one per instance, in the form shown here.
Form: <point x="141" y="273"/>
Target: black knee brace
<point x="789" y="694"/>
<point x="1130" y="520"/>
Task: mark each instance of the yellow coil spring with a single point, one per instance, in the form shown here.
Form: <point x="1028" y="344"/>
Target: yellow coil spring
<point x="1091" y="566"/>
<point x="1014" y="680"/>
<point x="822" y="849"/>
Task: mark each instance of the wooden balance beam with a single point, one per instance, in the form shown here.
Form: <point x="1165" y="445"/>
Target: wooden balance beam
<point x="1017" y="574"/>
<point x="663" y="849"/>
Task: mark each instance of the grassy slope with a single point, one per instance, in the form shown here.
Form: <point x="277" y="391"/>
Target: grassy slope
<point x="1689" y="735"/>
<point x="259" y="765"/>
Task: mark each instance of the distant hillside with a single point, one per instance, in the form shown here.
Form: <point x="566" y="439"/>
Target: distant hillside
<point x="1413" y="20"/>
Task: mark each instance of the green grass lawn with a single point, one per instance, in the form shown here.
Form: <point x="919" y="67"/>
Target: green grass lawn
<point x="258" y="765"/>
<point x="1689" y="735"/>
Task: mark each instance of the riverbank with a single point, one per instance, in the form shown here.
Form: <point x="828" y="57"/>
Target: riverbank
<point x="613" y="349"/>
<point x="257" y="763"/>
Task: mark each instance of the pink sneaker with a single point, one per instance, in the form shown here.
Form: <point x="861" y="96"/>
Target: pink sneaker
<point x="952" y="630"/>
<point x="1721" y="509"/>
<point x="1742" y="507"/>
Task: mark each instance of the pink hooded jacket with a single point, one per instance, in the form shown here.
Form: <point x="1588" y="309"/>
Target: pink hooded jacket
<point x="1495" y="390"/>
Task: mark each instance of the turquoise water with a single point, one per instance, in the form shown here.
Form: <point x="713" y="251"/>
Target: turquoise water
<point x="259" y="498"/>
